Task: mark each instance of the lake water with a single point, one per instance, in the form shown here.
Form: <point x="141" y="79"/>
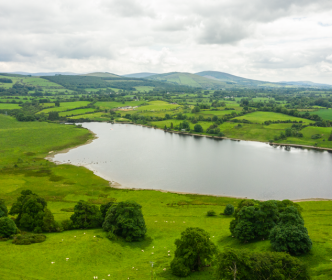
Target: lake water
<point x="147" y="158"/>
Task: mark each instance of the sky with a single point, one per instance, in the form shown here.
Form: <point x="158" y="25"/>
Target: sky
<point x="270" y="40"/>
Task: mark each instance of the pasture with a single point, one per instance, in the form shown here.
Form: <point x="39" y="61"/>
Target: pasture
<point x="157" y="106"/>
<point x="261" y="117"/>
<point x="76" y="112"/>
<point x="9" y="106"/>
<point x="325" y="114"/>
<point x="112" y="104"/>
<point x="64" y="106"/>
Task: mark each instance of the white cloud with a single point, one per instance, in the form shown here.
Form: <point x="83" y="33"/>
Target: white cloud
<point x="269" y="40"/>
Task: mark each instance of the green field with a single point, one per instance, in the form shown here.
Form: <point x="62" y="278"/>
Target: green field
<point x="100" y="116"/>
<point x="157" y="106"/>
<point x="113" y="104"/>
<point x="261" y="117"/>
<point x="76" y="112"/>
<point x="325" y="114"/>
<point x="166" y="216"/>
<point x="64" y="106"/>
<point x="9" y="106"/>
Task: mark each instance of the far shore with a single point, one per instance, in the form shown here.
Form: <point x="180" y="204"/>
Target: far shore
<point x="117" y="185"/>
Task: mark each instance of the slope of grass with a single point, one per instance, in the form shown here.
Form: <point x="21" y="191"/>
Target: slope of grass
<point x="64" y="106"/>
<point x="111" y="104"/>
<point x="325" y="114"/>
<point x="9" y="106"/>
<point x="76" y="112"/>
<point x="261" y="117"/>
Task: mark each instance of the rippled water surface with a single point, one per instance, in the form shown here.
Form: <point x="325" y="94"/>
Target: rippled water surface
<point x="140" y="157"/>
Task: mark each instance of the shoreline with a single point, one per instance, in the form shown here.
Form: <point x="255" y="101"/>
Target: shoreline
<point x="117" y="185"/>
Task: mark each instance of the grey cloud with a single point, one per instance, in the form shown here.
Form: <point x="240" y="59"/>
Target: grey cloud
<point x="128" y="8"/>
<point x="222" y="32"/>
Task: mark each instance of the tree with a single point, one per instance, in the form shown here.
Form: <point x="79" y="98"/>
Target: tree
<point x="104" y="208"/>
<point x="198" y="128"/>
<point x="57" y="103"/>
<point x="126" y="219"/>
<point x="171" y="125"/>
<point x="290" y="235"/>
<point x="29" y="208"/>
<point x="193" y="250"/>
<point x="86" y="215"/>
<point x="229" y="209"/>
<point x="7" y="227"/>
<point x="3" y="209"/>
<point x="243" y="264"/>
<point x="49" y="224"/>
<point x="330" y="137"/>
<point x="52" y="116"/>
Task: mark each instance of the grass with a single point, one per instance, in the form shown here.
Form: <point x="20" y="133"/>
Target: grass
<point x="325" y="114"/>
<point x="76" y="112"/>
<point x="111" y="104"/>
<point x="64" y="106"/>
<point x="261" y="117"/>
<point x="166" y="216"/>
<point x="157" y="106"/>
<point x="9" y="106"/>
<point x="100" y="116"/>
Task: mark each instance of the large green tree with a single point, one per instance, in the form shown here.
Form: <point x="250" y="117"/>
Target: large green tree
<point x="290" y="235"/>
<point x="30" y="210"/>
<point x="193" y="250"/>
<point x="86" y="215"/>
<point x="126" y="219"/>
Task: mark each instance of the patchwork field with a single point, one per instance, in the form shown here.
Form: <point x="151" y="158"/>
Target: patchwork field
<point x="64" y="106"/>
<point x="9" y="106"/>
<point x="261" y="117"/>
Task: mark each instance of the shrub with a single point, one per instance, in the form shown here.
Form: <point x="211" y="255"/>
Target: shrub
<point x="198" y="128"/>
<point x="193" y="250"/>
<point x="316" y="136"/>
<point x="7" y="227"/>
<point x="3" y="209"/>
<point x="179" y="268"/>
<point x="125" y="219"/>
<point x="242" y="264"/>
<point x="211" y="213"/>
<point x="28" y="239"/>
<point x="229" y="209"/>
<point x="86" y="215"/>
<point x="49" y="224"/>
<point x="330" y="137"/>
<point x="67" y="224"/>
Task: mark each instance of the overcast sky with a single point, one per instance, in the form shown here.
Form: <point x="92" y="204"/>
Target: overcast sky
<point x="272" y="40"/>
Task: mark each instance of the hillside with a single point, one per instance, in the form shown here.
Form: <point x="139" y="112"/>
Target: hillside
<point x="188" y="79"/>
<point x="101" y="74"/>
<point x="307" y="84"/>
<point x="228" y="78"/>
<point x="139" y="75"/>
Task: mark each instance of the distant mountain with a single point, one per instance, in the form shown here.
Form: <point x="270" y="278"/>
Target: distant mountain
<point x="306" y="84"/>
<point x="102" y="75"/>
<point x="139" y="75"/>
<point x="228" y="78"/>
<point x="44" y="73"/>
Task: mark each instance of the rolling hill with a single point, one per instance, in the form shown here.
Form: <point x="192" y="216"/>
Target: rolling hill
<point x="101" y="75"/>
<point x="188" y="79"/>
<point x="307" y="84"/>
<point x="139" y="75"/>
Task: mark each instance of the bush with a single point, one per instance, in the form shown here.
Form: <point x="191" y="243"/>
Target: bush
<point x="125" y="219"/>
<point x="229" y="209"/>
<point x="178" y="267"/>
<point x="86" y="215"/>
<point x="242" y="264"/>
<point x="28" y="239"/>
<point x="7" y="227"/>
<point x="198" y="128"/>
<point x="67" y="224"/>
<point x="104" y="208"/>
<point x="193" y="251"/>
<point x="211" y="213"/>
<point x="316" y="136"/>
<point x="3" y="209"/>
<point x="330" y="137"/>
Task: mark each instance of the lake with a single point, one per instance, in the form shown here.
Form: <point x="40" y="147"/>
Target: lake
<point x="147" y="158"/>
